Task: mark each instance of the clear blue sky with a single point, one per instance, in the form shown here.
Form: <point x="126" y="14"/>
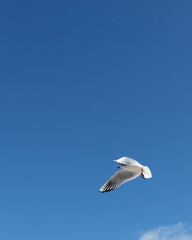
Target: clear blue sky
<point x="83" y="83"/>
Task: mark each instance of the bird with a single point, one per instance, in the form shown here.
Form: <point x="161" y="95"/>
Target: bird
<point x="131" y="169"/>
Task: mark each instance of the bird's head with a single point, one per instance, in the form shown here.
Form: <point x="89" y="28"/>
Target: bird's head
<point x="145" y="172"/>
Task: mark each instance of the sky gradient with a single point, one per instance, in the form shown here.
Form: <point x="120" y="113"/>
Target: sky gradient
<point x="83" y="83"/>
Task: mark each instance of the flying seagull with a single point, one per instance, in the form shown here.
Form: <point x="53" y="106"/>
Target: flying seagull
<point x="131" y="170"/>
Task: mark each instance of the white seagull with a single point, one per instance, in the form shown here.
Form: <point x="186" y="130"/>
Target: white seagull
<point x="131" y="170"/>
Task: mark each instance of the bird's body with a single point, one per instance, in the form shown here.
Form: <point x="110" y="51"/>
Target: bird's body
<point x="131" y="170"/>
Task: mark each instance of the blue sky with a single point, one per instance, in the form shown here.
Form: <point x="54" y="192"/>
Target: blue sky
<point x="83" y="83"/>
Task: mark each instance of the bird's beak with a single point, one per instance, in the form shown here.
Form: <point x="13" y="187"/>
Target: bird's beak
<point x="119" y="167"/>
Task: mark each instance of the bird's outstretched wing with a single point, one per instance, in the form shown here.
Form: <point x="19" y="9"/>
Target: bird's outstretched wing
<point x="128" y="162"/>
<point x="117" y="179"/>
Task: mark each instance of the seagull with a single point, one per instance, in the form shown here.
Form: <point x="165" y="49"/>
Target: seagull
<point x="131" y="170"/>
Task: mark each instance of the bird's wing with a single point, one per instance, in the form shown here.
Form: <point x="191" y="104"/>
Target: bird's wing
<point x="128" y="162"/>
<point x="117" y="179"/>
